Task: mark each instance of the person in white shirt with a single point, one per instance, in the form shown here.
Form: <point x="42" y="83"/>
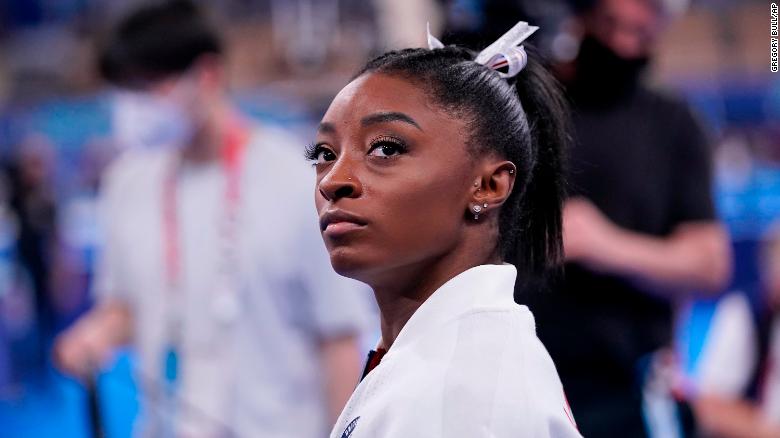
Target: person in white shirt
<point x="212" y="264"/>
<point x="433" y="167"/>
<point x="733" y="383"/>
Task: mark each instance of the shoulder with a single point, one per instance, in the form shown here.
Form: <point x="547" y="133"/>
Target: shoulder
<point x="532" y="398"/>
<point x="499" y="349"/>
<point x="497" y="377"/>
<point x="672" y="107"/>
<point x="279" y="180"/>
<point x="275" y="158"/>
<point x="132" y="169"/>
<point x="276" y="149"/>
<point x="520" y="358"/>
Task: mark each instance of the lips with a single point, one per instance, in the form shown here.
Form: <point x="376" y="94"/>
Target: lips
<point x="338" y="222"/>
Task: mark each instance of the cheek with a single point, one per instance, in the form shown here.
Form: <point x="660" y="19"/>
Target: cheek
<point x="423" y="216"/>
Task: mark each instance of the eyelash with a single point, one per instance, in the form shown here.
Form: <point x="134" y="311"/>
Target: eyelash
<point x="312" y="151"/>
<point x="388" y="140"/>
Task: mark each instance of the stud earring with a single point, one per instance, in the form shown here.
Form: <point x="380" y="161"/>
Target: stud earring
<point x="511" y="171"/>
<point x="477" y="209"/>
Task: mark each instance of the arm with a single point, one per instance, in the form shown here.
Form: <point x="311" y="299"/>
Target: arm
<point x="727" y="418"/>
<point x="90" y="341"/>
<point x="341" y="365"/>
<point x="695" y="256"/>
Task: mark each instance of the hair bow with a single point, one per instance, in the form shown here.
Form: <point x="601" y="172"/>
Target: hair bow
<point x="504" y="52"/>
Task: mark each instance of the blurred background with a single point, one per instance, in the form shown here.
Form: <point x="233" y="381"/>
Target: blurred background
<point x="286" y="59"/>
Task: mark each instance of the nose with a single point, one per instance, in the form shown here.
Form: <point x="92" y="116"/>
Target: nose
<point x="340" y="182"/>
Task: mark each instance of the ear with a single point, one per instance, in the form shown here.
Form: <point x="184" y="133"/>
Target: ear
<point x="493" y="183"/>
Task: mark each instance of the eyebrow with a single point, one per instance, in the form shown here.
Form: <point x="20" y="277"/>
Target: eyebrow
<point x="386" y="117"/>
<point x="326" y="128"/>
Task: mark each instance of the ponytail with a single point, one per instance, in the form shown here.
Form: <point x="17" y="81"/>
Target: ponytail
<point x="538" y="246"/>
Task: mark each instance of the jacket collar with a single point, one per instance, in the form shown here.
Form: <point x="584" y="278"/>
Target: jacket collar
<point x="480" y="287"/>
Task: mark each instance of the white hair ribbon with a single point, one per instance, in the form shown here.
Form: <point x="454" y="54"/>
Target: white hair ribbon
<point x="507" y="51"/>
<point x="433" y="42"/>
<point x="504" y="52"/>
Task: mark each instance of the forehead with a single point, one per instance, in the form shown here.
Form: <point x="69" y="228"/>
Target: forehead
<point x="375" y="93"/>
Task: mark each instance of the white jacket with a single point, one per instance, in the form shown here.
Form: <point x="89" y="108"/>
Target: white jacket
<point x="467" y="364"/>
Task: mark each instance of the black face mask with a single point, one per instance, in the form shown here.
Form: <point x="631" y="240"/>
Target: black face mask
<point x="602" y="75"/>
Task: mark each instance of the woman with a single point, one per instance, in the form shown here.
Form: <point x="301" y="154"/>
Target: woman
<point x="429" y="176"/>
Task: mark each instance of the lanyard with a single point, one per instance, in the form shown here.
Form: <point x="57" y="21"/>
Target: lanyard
<point x="231" y="158"/>
<point x="226" y="301"/>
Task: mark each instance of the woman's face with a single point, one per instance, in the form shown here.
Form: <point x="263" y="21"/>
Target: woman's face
<point x="394" y="178"/>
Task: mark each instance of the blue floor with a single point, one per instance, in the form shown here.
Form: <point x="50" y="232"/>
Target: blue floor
<point x="52" y="405"/>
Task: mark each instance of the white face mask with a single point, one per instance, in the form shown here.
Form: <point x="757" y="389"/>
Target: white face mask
<point x="145" y="120"/>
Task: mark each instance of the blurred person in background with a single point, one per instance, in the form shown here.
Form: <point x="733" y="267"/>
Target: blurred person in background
<point x="32" y="202"/>
<point x="212" y="265"/>
<point x="640" y="229"/>
<point x="7" y="236"/>
<point x="734" y="387"/>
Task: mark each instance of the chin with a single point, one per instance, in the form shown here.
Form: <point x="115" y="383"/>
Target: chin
<point x="346" y="261"/>
<point x="351" y="263"/>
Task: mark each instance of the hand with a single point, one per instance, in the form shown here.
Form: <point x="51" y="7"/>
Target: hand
<point x="588" y="235"/>
<point x="80" y="350"/>
<point x="88" y="344"/>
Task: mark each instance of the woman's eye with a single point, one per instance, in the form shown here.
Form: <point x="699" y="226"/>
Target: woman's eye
<point x="319" y="153"/>
<point x="386" y="149"/>
<point x="325" y="155"/>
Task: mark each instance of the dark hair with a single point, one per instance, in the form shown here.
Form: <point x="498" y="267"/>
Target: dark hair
<point x="523" y="120"/>
<point x="156" y="41"/>
<point x="582" y="7"/>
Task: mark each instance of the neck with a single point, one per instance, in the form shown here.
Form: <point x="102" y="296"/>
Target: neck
<point x="209" y="140"/>
<point x="407" y="288"/>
